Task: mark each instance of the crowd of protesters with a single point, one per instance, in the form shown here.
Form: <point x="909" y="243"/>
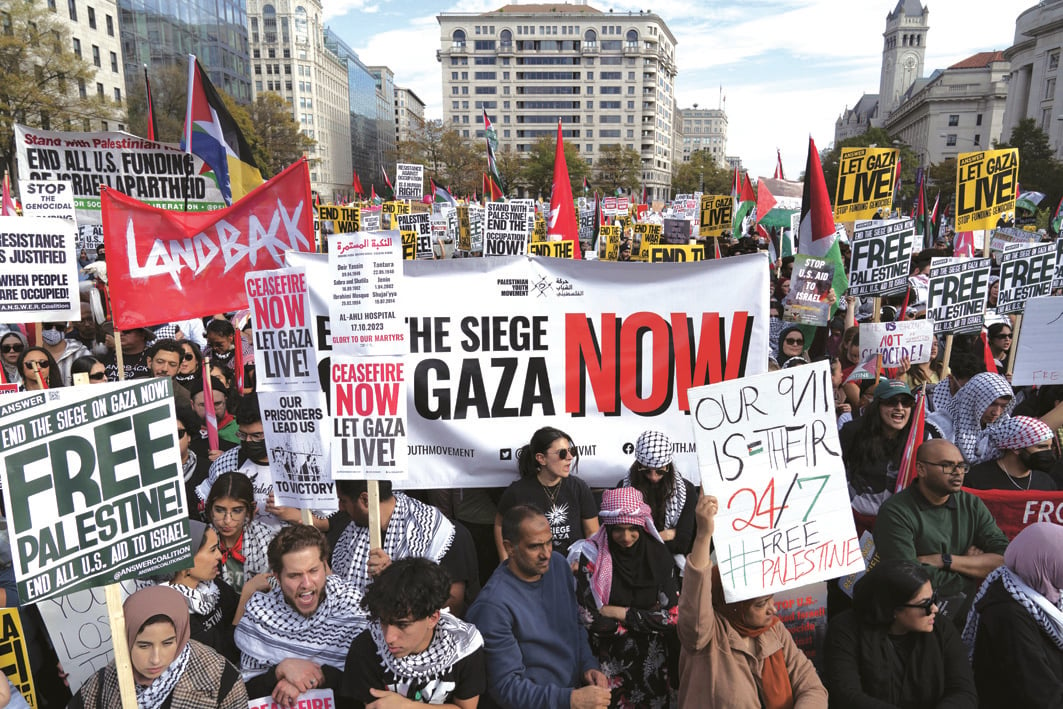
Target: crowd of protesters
<point x="551" y="594"/>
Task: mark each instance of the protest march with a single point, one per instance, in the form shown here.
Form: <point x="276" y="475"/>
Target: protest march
<point x="598" y="450"/>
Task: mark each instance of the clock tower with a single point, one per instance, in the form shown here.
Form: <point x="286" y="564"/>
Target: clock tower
<point x="904" y="45"/>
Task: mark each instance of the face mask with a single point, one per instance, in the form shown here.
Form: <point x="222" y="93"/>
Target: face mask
<point x="1041" y="460"/>
<point x="255" y="450"/>
<point x="51" y="337"/>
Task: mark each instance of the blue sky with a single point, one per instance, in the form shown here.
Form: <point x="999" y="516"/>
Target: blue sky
<point x="787" y="67"/>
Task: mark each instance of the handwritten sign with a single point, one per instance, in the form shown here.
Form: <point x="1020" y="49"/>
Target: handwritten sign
<point x="986" y="188"/>
<point x="1025" y="272"/>
<point x="897" y="341"/>
<point x="881" y="257"/>
<point x="768" y="448"/>
<point x="865" y="183"/>
<point x="958" y="292"/>
<point x="1037" y="359"/>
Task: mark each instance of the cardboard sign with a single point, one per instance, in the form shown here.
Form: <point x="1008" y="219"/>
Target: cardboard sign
<point x="14" y="655"/>
<point x="897" y="341"/>
<point x="284" y="347"/>
<point x="958" y="292"/>
<point x="768" y="450"/>
<point x="507" y="230"/>
<point x="881" y="257"/>
<point x="38" y="270"/>
<point x="717" y="215"/>
<point x="809" y="289"/>
<point x="865" y="183"/>
<point x="1037" y="359"/>
<point x="986" y="188"/>
<point x="1025" y="272"/>
<point x="675" y="253"/>
<point x="368" y="397"/>
<point x="409" y="182"/>
<point x="366" y="310"/>
<point x="93" y="486"/>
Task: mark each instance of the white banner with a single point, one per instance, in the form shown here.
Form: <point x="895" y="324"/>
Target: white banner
<point x="1037" y="359"/>
<point x="768" y="450"/>
<point x="500" y="347"/>
<point x="38" y="270"/>
<point x="896" y="341"/>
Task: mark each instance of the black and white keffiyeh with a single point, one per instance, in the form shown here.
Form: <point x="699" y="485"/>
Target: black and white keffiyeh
<point x="189" y="467"/>
<point x="254" y="548"/>
<point x="153" y="695"/>
<point x="452" y="641"/>
<point x="969" y="405"/>
<point x="1049" y="617"/>
<point x="414" y="530"/>
<point x="202" y="600"/>
<point x="271" y="630"/>
<point x="676" y="501"/>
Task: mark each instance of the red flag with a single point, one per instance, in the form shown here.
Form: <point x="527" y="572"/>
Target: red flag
<point x="562" y="220"/>
<point x="387" y="180"/>
<point x="357" y="185"/>
<point x="193" y="264"/>
<point x="492" y="191"/>
<point x="7" y="206"/>
<point x="716" y="249"/>
<point x="778" y="165"/>
<point x="210" y="418"/>
<point x="153" y="126"/>
<point x="915" y="437"/>
<point x="987" y="353"/>
<point x="372" y="193"/>
<point x="765" y="201"/>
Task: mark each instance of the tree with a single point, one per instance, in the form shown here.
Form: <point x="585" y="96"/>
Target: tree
<point x="701" y="174"/>
<point x="169" y="91"/>
<point x="42" y="76"/>
<point x="1038" y="168"/>
<point x="538" y="173"/>
<point x="617" y="167"/>
<point x="511" y="166"/>
<point x="448" y="158"/>
<point x="941" y="179"/>
<point x="281" y="139"/>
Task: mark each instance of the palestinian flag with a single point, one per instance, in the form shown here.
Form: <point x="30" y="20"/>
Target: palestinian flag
<point x="745" y="201"/>
<point x="816" y="233"/>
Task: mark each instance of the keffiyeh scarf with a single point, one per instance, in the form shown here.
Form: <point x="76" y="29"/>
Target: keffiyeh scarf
<point x="970" y="403"/>
<point x="253" y="546"/>
<point x="202" y="600"/>
<point x="153" y="695"/>
<point x="414" y="530"/>
<point x="1048" y="617"/>
<point x="453" y="640"/>
<point x="674" y="506"/>
<point x="271" y="630"/>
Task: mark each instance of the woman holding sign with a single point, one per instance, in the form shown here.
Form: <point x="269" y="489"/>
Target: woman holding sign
<point x="169" y="669"/>
<point x="890" y="649"/>
<point x="737" y="655"/>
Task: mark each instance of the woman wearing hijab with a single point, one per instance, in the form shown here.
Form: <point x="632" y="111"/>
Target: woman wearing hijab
<point x="984" y="401"/>
<point x="627" y="591"/>
<point x="1016" y="624"/>
<point x="736" y="655"/>
<point x="889" y="650"/>
<point x="670" y="496"/>
<point x="791" y="344"/>
<point x="170" y="671"/>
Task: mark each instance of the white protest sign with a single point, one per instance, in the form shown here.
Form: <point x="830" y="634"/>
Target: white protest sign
<point x="284" y="347"/>
<point x="1025" y="272"/>
<point x="311" y="699"/>
<point x="93" y="486"/>
<point x="1037" y="359"/>
<point x="366" y="311"/>
<point x="897" y="341"/>
<point x="507" y="228"/>
<point x="38" y="270"/>
<point x="881" y="257"/>
<point x="768" y="450"/>
<point x="80" y="631"/>
<point x="958" y="291"/>
<point x="409" y="182"/>
<point x="368" y="397"/>
<point x="48" y="198"/>
<point x="1057" y="279"/>
<point x="421" y="225"/>
<point x="296" y="425"/>
<point x="1005" y="237"/>
<point x="370" y="219"/>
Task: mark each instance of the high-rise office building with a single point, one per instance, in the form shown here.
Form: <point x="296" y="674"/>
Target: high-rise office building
<point x="409" y="114"/>
<point x="95" y="38"/>
<point x="385" y="102"/>
<point x="704" y="129"/>
<point x="609" y="77"/>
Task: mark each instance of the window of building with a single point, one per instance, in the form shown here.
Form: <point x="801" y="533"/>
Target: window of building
<point x="110" y="25"/>
<point x="96" y="56"/>
<point x="954" y="120"/>
<point x="950" y="139"/>
<point x="1050" y="87"/>
<point x="978" y="119"/>
<point x="92" y="17"/>
<point x="77" y="47"/>
<point x="81" y="88"/>
<point x="118" y="94"/>
<point x="258" y="86"/>
<point x="977" y="138"/>
<point x="51" y="5"/>
<point x="1053" y="60"/>
<point x="114" y="62"/>
<point x="99" y="89"/>
<point x="483" y="45"/>
<point x="72" y="7"/>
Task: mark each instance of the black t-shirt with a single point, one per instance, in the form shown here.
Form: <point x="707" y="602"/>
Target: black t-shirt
<point x="989" y="476"/>
<point x="215" y="629"/>
<point x="574" y="503"/>
<point x="364" y="670"/>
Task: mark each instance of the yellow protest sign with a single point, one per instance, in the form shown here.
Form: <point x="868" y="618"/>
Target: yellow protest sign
<point x="986" y="187"/>
<point x="555" y="249"/>
<point x="345" y="219"/>
<point x="409" y="245"/>
<point x="650" y="235"/>
<point x="539" y="232"/>
<point x="395" y="207"/>
<point x="865" y="183"/>
<point x="464" y="229"/>
<point x="609" y="235"/>
<point x="717" y="215"/>
<point x="13" y="654"/>
<point x="673" y="253"/>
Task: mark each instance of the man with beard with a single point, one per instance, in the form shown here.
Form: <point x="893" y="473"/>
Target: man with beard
<point x="164" y="358"/>
<point x="134" y="358"/>
<point x="1025" y="458"/>
<point x="295" y="637"/>
<point x="949" y="531"/>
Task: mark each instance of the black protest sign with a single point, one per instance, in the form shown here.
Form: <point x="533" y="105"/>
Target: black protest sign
<point x="93" y="486"/>
<point x="881" y="257"/>
<point x="958" y="292"/>
<point x="1025" y="272"/>
<point x="810" y="287"/>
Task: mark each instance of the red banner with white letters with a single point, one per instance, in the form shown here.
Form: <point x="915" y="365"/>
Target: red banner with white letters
<point x="165" y="266"/>
<point x="1014" y="510"/>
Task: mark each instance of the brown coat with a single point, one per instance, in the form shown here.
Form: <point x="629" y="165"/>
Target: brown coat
<point x="719" y="668"/>
<point x="209" y="682"/>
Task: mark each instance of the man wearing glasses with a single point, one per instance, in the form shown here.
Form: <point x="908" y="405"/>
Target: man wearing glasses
<point x="949" y="531"/>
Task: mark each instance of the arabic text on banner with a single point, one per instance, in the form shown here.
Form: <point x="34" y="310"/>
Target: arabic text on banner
<point x="366" y="309"/>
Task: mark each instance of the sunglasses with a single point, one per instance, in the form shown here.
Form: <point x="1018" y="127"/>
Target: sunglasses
<point x="98" y="376"/>
<point x="793" y="341"/>
<point x="16" y="347"/>
<point x="926" y="605"/>
<point x="903" y="401"/>
<point x="42" y="364"/>
<point x="53" y="326"/>
<point x="188" y="357"/>
<point x="1002" y="336"/>
<point x="646" y="471"/>
<point x="564" y="453"/>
